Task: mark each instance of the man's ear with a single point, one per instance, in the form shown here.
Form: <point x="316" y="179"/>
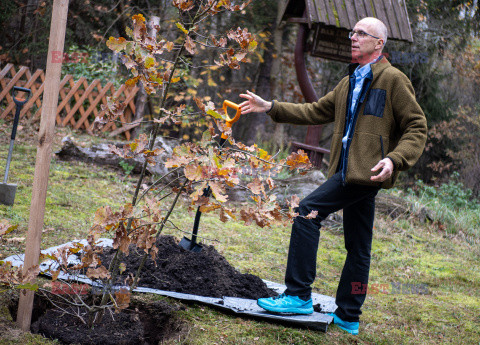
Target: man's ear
<point x="380" y="45"/>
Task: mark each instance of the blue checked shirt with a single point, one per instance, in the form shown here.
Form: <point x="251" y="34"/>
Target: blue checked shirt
<point x="360" y="75"/>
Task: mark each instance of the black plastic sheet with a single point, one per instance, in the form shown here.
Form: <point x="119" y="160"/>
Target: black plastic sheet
<point x="318" y="320"/>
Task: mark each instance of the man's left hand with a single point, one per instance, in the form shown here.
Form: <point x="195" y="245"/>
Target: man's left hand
<point x="386" y="170"/>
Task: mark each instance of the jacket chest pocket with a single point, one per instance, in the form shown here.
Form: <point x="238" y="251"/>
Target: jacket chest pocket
<point x="375" y="104"/>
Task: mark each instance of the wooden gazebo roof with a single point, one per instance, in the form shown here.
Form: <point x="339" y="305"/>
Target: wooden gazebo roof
<point x="343" y="14"/>
<point x="331" y="20"/>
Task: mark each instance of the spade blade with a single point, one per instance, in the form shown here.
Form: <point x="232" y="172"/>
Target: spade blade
<point x="7" y="193"/>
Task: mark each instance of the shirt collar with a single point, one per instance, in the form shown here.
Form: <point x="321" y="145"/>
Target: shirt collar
<point x="363" y="71"/>
<point x="354" y="66"/>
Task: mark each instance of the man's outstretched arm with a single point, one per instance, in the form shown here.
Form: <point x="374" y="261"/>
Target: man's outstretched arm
<point x="316" y="113"/>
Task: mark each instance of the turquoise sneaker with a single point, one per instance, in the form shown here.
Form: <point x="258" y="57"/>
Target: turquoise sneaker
<point x="286" y="304"/>
<point x="350" y="327"/>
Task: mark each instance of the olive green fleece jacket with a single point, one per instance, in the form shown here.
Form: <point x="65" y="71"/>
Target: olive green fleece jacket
<point x="393" y="125"/>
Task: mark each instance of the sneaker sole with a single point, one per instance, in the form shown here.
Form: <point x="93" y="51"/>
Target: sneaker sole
<point x="286" y="310"/>
<point x="354" y="332"/>
<point x="351" y="331"/>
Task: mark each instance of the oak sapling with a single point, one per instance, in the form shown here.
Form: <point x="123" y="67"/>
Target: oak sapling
<point x="159" y="63"/>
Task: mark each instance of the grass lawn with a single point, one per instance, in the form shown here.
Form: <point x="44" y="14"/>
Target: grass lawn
<point x="407" y="256"/>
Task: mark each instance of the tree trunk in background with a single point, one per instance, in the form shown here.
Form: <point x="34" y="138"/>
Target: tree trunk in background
<point x="122" y="22"/>
<point x="259" y="125"/>
<point x="279" y="130"/>
<point x="27" y="28"/>
<point x="142" y="97"/>
<point x="34" y="28"/>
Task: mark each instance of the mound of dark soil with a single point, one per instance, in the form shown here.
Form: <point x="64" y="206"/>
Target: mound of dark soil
<point x="206" y="273"/>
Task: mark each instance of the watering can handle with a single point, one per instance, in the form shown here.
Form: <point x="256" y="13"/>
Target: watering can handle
<point x="229" y="121"/>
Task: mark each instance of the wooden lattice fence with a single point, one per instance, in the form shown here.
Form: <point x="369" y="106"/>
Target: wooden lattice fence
<point x="79" y="101"/>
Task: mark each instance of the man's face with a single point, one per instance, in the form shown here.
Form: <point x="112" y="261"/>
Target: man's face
<point x="365" y="49"/>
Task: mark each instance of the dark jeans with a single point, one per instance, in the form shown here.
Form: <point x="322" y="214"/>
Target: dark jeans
<point x="358" y="204"/>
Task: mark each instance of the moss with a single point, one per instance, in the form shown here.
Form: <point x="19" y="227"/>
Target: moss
<point x="9" y="333"/>
<point x="5" y="313"/>
<point x="373" y="9"/>
<point x="335" y="14"/>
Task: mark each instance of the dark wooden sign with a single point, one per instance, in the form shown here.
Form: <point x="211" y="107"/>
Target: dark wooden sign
<point x="331" y="43"/>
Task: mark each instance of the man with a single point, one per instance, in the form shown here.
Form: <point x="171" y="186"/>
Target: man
<point x="379" y="130"/>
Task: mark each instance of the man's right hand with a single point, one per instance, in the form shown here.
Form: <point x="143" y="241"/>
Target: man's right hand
<point x="254" y="103"/>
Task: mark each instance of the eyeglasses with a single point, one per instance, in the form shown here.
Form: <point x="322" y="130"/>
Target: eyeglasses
<point x="361" y="34"/>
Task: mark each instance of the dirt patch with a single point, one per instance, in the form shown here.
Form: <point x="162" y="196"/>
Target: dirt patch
<point x="139" y="324"/>
<point x="175" y="269"/>
<point x="143" y="322"/>
<point x="206" y="273"/>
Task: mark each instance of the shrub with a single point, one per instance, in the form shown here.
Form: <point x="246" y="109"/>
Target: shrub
<point x="452" y="205"/>
<point x="91" y="64"/>
<point x="452" y="147"/>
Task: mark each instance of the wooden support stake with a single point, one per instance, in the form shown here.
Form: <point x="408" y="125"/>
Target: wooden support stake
<point x="44" y="152"/>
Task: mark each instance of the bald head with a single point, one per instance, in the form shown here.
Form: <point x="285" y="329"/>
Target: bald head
<point x="376" y="27"/>
<point x="368" y="46"/>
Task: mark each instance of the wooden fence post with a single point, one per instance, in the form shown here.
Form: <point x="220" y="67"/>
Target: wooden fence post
<point x="44" y="152"/>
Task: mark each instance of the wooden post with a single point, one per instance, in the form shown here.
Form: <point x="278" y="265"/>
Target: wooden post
<point x="44" y="151"/>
